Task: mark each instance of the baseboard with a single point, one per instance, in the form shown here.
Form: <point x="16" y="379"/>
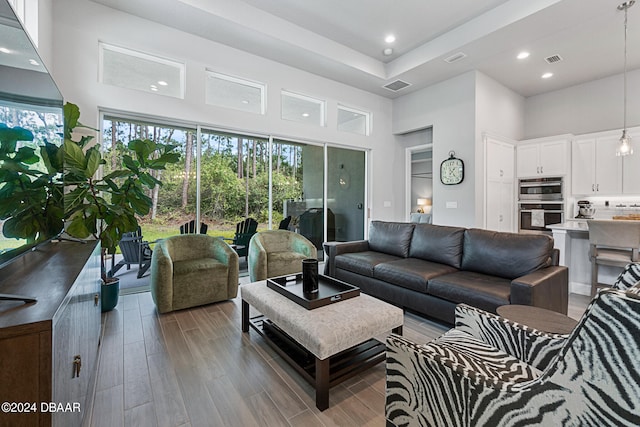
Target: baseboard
<point x="579" y="288"/>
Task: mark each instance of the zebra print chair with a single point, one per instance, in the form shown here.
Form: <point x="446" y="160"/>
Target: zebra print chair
<point x="489" y="371"/>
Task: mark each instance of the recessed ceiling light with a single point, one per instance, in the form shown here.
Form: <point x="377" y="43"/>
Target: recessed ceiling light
<point x="390" y="38"/>
<point x="162" y="83"/>
<point x="33" y="62"/>
<point x="523" y="55"/>
<point x="4" y="50"/>
<point x="154" y="88"/>
<point x="244" y="101"/>
<point x="388" y="51"/>
<point x="546" y="75"/>
<point x="305" y="114"/>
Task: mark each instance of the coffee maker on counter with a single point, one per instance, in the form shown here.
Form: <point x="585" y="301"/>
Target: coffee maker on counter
<point x="585" y="209"/>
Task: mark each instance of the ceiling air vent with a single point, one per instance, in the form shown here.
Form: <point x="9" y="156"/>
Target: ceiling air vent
<point x="396" y="85"/>
<point x="455" y="57"/>
<point x="553" y="59"/>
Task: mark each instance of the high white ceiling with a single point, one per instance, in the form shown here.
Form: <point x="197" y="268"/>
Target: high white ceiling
<point x="344" y="39"/>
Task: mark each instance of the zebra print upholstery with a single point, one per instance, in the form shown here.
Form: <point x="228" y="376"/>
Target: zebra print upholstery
<point x="460" y="379"/>
<point x="629" y="277"/>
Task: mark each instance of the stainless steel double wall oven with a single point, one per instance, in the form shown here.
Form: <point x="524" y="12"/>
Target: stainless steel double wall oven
<point x="540" y="203"/>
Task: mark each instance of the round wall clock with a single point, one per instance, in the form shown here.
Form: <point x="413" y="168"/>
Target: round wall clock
<point x="452" y="170"/>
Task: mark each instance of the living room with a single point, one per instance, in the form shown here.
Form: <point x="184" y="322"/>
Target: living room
<point x="455" y="113"/>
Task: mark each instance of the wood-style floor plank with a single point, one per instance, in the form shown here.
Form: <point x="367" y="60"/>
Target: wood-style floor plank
<point x="195" y="367"/>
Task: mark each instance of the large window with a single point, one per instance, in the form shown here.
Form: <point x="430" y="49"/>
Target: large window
<point x="225" y="177"/>
<point x="174" y="203"/>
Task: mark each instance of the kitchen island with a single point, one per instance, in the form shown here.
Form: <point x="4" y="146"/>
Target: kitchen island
<point x="572" y="239"/>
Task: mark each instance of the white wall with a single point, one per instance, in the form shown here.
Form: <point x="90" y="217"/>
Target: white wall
<point x="590" y="107"/>
<point x="499" y="112"/>
<point x="449" y="108"/>
<point x="80" y="24"/>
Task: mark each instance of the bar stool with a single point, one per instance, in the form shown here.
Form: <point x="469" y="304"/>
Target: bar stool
<point x="612" y="243"/>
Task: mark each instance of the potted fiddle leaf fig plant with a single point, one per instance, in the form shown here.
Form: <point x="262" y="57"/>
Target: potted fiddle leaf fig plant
<point x="106" y="207"/>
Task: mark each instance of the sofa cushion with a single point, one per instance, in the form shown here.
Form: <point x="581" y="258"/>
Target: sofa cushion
<point x="507" y="255"/>
<point x="391" y="238"/>
<point x="410" y="273"/>
<point x="362" y="262"/>
<point x="476" y="289"/>
<point x="437" y="243"/>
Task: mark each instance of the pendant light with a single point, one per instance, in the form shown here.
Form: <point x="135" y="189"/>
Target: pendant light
<point x="624" y="148"/>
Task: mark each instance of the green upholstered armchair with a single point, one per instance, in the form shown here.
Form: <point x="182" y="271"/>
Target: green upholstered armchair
<point x="277" y="253"/>
<point x="192" y="269"/>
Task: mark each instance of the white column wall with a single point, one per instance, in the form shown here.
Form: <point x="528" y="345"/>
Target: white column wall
<point x="80" y="24"/>
<point x="449" y="108"/>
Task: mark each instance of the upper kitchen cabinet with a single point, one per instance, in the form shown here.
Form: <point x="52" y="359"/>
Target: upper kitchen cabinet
<point x="543" y="157"/>
<point x="631" y="166"/>
<point x="596" y="170"/>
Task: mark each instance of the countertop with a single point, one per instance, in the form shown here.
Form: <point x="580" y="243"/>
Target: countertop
<point x="571" y="225"/>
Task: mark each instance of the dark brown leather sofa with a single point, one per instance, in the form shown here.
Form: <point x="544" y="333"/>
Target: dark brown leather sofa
<point x="431" y="268"/>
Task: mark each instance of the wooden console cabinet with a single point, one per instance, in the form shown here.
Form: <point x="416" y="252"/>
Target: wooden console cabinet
<point x="49" y="349"/>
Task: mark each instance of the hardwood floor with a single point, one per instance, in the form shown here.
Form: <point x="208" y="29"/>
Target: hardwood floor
<point x="196" y="368"/>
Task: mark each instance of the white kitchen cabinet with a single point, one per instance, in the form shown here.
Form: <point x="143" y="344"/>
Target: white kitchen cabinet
<point x="543" y="158"/>
<point x="500" y="206"/>
<point x="631" y="166"/>
<point x="500" y="184"/>
<point x="595" y="167"/>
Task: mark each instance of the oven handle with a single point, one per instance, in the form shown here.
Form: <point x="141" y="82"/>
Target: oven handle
<point x="540" y="184"/>
<point x="545" y="211"/>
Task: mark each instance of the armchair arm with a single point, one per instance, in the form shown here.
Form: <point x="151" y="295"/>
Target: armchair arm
<point x="162" y="278"/>
<point x="226" y="255"/>
<point x="437" y="386"/>
<point x="332" y="249"/>
<point x="546" y="288"/>
<point x="536" y="348"/>
<point x="257" y="264"/>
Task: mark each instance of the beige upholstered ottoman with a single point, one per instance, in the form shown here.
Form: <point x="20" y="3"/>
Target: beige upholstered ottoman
<point x="342" y="332"/>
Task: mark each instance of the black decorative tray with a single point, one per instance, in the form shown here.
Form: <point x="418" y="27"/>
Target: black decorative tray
<point x="330" y="290"/>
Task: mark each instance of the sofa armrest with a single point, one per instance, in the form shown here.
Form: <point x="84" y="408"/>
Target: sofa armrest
<point x="536" y="348"/>
<point x="333" y="249"/>
<point x="546" y="288"/>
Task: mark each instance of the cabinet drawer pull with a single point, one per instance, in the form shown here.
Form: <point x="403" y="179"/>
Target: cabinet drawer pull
<point x="77" y="364"/>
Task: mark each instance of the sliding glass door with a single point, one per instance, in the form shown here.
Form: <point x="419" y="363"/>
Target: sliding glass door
<point x="223" y="177"/>
<point x="346" y="172"/>
<point x="297" y="188"/>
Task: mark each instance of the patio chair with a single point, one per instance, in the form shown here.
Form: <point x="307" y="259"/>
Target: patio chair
<point x="190" y="227"/>
<point x="134" y="251"/>
<point x="284" y="224"/>
<point x="244" y="231"/>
